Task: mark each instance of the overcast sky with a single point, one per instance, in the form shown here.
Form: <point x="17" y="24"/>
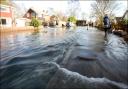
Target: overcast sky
<point x="63" y="5"/>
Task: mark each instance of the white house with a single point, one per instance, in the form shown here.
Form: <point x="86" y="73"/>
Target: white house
<point x="22" y="22"/>
<point x="6" y="15"/>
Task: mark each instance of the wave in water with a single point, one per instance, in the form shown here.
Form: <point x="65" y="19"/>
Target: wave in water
<point x="78" y="60"/>
<point x="65" y="79"/>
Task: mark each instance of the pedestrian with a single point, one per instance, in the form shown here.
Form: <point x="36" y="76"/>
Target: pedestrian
<point x="87" y="25"/>
<point x="107" y="24"/>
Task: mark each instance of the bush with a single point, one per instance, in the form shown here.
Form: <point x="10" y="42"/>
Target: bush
<point x="35" y="23"/>
<point x="125" y="21"/>
<point x="72" y="19"/>
<point x="125" y="25"/>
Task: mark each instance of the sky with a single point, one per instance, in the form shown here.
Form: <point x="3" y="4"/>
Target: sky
<point x="63" y="6"/>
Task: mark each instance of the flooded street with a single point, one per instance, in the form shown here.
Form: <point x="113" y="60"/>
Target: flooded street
<point x="55" y="58"/>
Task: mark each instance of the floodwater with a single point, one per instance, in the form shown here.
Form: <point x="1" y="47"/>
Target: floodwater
<point x="59" y="58"/>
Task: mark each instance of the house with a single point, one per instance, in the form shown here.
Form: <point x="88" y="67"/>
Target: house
<point x="6" y="15"/>
<point x="125" y="17"/>
<point x="26" y="19"/>
<point x="30" y="13"/>
<point x="81" y="23"/>
<point x="45" y="16"/>
<point x="33" y="12"/>
<point x="22" y="22"/>
<point x="118" y="19"/>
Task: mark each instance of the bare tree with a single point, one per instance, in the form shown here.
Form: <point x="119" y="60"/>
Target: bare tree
<point x="61" y="16"/>
<point x="102" y="7"/>
<point x="83" y="14"/>
<point x="73" y="7"/>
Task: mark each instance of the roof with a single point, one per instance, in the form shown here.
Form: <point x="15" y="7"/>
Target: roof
<point x="36" y="10"/>
<point x="31" y="10"/>
<point x="118" y="18"/>
<point x="126" y="12"/>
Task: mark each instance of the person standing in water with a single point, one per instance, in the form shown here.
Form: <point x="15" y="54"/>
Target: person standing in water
<point x="107" y="25"/>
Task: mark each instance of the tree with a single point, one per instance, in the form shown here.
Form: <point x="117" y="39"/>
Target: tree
<point x="72" y="19"/>
<point x="61" y="16"/>
<point x="101" y="7"/>
<point x="35" y="22"/>
<point x="125" y="21"/>
<point x="73" y="7"/>
<point x="5" y="2"/>
<point x="83" y="16"/>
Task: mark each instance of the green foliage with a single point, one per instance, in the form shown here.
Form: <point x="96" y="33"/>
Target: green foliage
<point x="125" y="21"/>
<point x="35" y="22"/>
<point x="72" y="19"/>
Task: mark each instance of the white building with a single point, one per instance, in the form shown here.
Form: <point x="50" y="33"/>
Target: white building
<point x="6" y="15"/>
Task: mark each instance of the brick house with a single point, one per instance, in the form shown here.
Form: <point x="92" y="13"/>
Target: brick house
<point x="6" y="15"/>
<point x="30" y="13"/>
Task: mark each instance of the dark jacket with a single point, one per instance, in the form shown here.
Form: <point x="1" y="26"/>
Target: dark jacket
<point x="106" y="22"/>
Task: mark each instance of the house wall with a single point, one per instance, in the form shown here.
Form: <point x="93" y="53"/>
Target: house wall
<point x="46" y="18"/>
<point x="20" y="23"/>
<point x="8" y="21"/>
<point x="60" y="23"/>
<point x="30" y="14"/>
<point x="27" y="15"/>
<point x="6" y="14"/>
<point x="5" y="11"/>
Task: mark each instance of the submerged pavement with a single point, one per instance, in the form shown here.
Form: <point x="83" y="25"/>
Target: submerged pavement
<point x="57" y="58"/>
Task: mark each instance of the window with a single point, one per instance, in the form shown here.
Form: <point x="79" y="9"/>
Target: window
<point x="4" y="9"/>
<point x="33" y="14"/>
<point x="3" y="21"/>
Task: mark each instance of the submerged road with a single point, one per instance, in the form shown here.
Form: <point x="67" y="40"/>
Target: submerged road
<point x="59" y="58"/>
